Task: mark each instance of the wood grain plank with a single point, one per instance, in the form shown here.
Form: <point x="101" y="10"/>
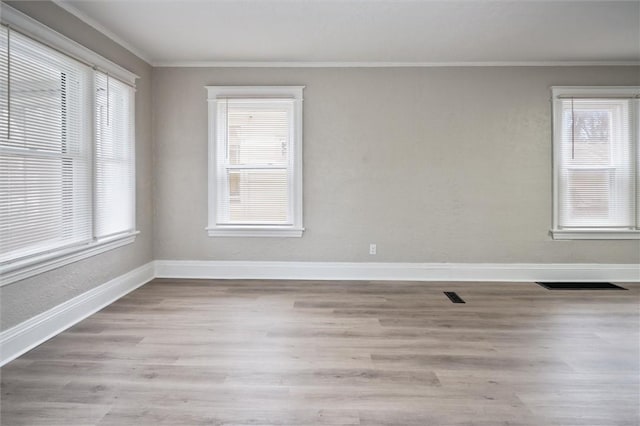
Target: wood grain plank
<point x="252" y="352"/>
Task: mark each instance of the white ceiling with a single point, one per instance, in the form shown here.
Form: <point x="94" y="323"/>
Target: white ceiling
<point x="224" y="32"/>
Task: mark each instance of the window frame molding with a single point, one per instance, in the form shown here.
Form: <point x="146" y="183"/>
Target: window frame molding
<point x="600" y="233"/>
<point x="21" y="268"/>
<point x="215" y="229"/>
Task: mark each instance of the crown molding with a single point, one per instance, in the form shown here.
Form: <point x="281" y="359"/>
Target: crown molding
<point x="101" y="29"/>
<point x="384" y="64"/>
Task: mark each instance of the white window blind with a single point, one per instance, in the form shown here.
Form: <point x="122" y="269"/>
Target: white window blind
<point x="596" y="141"/>
<point x="255" y="165"/>
<point x="114" y="157"/>
<point x="256" y="183"/>
<point x="45" y="190"/>
<point x="66" y="151"/>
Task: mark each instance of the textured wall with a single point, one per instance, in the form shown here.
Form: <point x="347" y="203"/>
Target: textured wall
<point x="23" y="299"/>
<point x="432" y="164"/>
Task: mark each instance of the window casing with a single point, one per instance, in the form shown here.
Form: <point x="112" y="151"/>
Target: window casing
<point x="595" y="162"/>
<point x="255" y="161"/>
<point x="66" y="150"/>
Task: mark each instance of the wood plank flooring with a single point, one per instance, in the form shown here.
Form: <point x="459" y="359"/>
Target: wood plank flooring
<point x="215" y="352"/>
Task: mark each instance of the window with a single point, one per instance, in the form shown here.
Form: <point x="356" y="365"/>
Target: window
<point x="255" y="161"/>
<point x="66" y="155"/>
<point x="114" y="178"/>
<point x="595" y="138"/>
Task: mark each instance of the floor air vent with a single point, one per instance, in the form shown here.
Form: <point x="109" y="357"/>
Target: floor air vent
<point x="453" y="296"/>
<point x="580" y="286"/>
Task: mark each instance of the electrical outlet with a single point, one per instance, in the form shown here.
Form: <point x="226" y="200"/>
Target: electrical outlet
<point x="373" y="249"/>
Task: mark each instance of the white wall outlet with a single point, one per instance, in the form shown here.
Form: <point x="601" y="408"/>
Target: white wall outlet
<point x="373" y="249"/>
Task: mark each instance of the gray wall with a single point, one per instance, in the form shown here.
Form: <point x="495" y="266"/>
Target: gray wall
<point x="432" y="164"/>
<point x="23" y="299"/>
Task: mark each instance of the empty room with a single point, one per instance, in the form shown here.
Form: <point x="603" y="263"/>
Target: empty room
<point x="320" y="212"/>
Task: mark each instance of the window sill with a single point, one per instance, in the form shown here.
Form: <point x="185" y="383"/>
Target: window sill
<point x="37" y="264"/>
<point x="595" y="234"/>
<point x="255" y="231"/>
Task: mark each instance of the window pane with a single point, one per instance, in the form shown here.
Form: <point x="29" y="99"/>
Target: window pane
<point x="114" y="156"/>
<point x="258" y="196"/>
<point x="589" y="194"/>
<point x="592" y="137"/>
<point x="46" y="100"/>
<point x="45" y="200"/>
<point x="258" y="133"/>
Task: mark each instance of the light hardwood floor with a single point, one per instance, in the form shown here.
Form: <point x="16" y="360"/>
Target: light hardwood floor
<point x="189" y="352"/>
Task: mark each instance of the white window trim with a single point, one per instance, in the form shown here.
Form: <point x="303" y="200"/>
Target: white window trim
<point x="603" y="233"/>
<point x="233" y="230"/>
<point x="22" y="268"/>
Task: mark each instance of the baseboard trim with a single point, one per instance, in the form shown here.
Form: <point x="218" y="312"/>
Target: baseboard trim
<point x="511" y="272"/>
<point x="31" y="333"/>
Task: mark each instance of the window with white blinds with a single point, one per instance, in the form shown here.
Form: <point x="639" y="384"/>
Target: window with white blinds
<point x="66" y="153"/>
<point x="114" y="157"/>
<point x="596" y="163"/>
<point x="45" y="197"/>
<point x="255" y="161"/>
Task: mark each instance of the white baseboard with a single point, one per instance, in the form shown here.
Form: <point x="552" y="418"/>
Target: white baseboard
<point x="397" y="271"/>
<point x="29" y="334"/>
